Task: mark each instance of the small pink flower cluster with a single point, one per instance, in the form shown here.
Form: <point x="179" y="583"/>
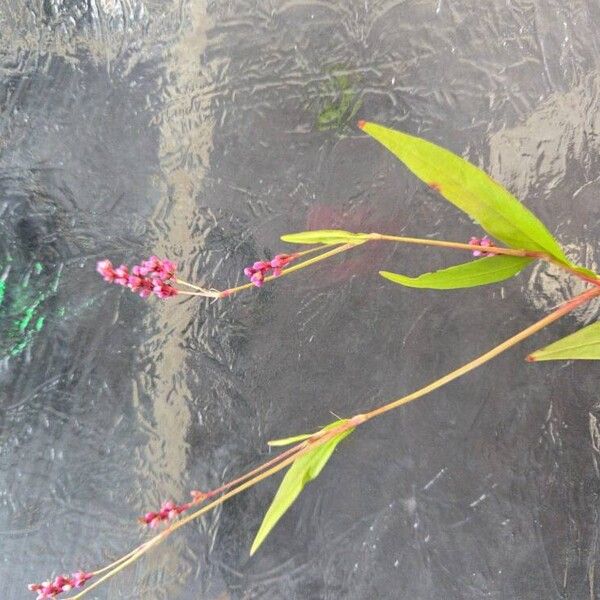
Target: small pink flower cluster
<point x="484" y="242"/>
<point x="153" y="276"/>
<point x="260" y="269"/>
<point x="61" y="583"/>
<point x="168" y="511"/>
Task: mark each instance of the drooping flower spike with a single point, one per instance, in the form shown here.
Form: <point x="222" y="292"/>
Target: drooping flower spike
<point x="154" y="276"/>
<point x="168" y="511"/>
<point x="61" y="583"/>
<point x="260" y="269"/>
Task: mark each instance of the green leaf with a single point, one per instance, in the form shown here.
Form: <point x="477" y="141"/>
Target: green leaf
<point x="324" y="236"/>
<point x="328" y="116"/>
<point x="471" y="190"/>
<point x="303" y="436"/>
<point x="290" y="440"/>
<point x="476" y="272"/>
<point x="303" y="471"/>
<point x="581" y="345"/>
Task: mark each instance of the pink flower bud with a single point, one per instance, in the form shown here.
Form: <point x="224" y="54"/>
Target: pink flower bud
<point x="484" y="242"/>
<point x="105" y="268"/>
<point x="121" y="275"/>
<point x="80" y="578"/>
<point x="168" y="268"/>
<point x="281" y="260"/>
<point x="134" y="283"/>
<point x="257" y="279"/>
<point x="163" y="290"/>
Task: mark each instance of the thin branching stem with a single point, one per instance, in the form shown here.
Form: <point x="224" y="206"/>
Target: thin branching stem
<point x="447" y="244"/>
<point x="370" y="237"/>
<point x="564" y="309"/>
<point x="297" y="267"/>
<point x="286" y="458"/>
<point x="488" y="250"/>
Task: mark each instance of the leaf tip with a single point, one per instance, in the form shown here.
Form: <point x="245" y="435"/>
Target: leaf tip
<point x="361" y="123"/>
<point x="530" y="358"/>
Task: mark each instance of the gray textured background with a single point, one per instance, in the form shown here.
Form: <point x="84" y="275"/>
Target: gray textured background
<point x="187" y="128"/>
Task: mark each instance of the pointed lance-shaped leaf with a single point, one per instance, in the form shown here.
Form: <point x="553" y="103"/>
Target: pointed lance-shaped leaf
<point x="471" y="190"/>
<point x="303" y="436"/>
<point x="324" y="236"/>
<point x="471" y="274"/>
<point x="581" y="345"/>
<point x="303" y="470"/>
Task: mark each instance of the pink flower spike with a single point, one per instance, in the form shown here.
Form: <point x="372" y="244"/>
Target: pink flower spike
<point x="152" y="276"/>
<point x="61" y="583"/>
<point x="260" y="269"/>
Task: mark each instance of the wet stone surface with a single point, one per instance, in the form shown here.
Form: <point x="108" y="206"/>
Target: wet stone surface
<point x="203" y="131"/>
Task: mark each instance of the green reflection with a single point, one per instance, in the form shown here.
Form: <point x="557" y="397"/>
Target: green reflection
<point x="24" y="302"/>
<point x="339" y="102"/>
